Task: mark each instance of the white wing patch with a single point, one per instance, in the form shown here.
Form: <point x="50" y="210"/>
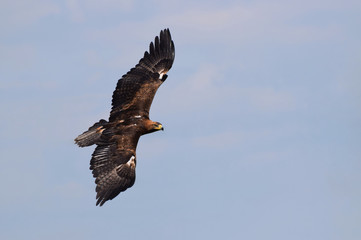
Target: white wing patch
<point x="161" y="73"/>
<point x="131" y="161"/>
<point x="130" y="164"/>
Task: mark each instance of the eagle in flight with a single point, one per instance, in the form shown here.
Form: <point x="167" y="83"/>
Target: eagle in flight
<point x="114" y="159"/>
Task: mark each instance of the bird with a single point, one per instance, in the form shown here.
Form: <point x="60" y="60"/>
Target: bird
<point x="113" y="161"/>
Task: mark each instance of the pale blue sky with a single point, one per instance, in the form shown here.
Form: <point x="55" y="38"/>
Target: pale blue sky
<point x="261" y="111"/>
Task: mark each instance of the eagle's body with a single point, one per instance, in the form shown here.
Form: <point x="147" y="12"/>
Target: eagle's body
<point x="114" y="159"/>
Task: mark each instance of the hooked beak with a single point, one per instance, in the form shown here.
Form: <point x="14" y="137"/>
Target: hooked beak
<point x="159" y="127"/>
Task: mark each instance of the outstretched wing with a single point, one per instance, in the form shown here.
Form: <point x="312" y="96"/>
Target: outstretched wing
<point x="113" y="165"/>
<point x="135" y="91"/>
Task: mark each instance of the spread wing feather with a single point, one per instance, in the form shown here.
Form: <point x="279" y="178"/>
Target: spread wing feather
<point x="113" y="169"/>
<point x="136" y="89"/>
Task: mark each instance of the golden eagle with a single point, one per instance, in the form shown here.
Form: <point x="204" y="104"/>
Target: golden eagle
<point x="113" y="160"/>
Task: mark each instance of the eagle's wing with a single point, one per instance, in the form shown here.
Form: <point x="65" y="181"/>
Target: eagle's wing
<point x="135" y="91"/>
<point x="113" y="165"/>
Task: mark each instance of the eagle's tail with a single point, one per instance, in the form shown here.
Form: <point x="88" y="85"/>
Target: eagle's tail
<point x="92" y="135"/>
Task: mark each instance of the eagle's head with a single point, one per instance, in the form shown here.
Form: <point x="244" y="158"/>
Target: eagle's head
<point x="153" y="126"/>
<point x="156" y="126"/>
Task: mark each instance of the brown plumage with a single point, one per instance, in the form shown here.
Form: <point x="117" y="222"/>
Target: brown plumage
<point x="114" y="159"/>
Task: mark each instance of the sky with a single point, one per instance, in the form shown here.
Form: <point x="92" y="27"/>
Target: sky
<point x="261" y="110"/>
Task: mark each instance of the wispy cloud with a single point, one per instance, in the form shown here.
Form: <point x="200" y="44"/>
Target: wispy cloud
<point x="207" y="85"/>
<point x="81" y="9"/>
<point x="219" y="141"/>
<point x="23" y="13"/>
<point x="268" y="99"/>
<point x="17" y="57"/>
<point x="240" y="22"/>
